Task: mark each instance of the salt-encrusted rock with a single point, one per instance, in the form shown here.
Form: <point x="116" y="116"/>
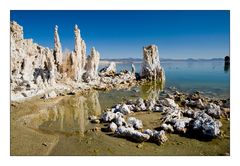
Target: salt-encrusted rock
<point x="133" y="69"/>
<point x="132" y="134"/>
<point x="32" y="66"/>
<point x="158" y="137"/>
<point x="188" y="113"/>
<point x="181" y="125"/>
<point x="157" y="109"/>
<point x="151" y="68"/>
<point x="79" y="56"/>
<point x="168" y="103"/>
<point x="213" y="110"/>
<point x="195" y="103"/>
<point x="194" y="96"/>
<point x="112" y="127"/>
<point x="108" y="116"/>
<point x="108" y="70"/>
<point x="120" y="121"/>
<point x="91" y="66"/>
<point x="205" y="125"/>
<point x="140" y="105"/>
<point x="167" y="127"/>
<point x="135" y="123"/>
<point x="57" y="53"/>
<point x="150" y="104"/>
<point x="124" y="109"/>
<point x="171" y="114"/>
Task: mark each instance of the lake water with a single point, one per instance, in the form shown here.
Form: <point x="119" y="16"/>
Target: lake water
<point x="210" y="77"/>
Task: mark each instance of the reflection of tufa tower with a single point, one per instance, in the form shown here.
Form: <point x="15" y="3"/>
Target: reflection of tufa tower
<point x="71" y="114"/>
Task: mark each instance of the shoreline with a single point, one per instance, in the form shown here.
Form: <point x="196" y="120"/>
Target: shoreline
<point x="37" y="117"/>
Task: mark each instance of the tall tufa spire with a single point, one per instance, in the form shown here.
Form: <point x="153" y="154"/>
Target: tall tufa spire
<point x="57" y="50"/>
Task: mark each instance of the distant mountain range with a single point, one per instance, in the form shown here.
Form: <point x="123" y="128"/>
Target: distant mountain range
<point x="136" y="60"/>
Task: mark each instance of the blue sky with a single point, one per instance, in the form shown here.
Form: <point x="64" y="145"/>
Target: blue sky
<point x="122" y="34"/>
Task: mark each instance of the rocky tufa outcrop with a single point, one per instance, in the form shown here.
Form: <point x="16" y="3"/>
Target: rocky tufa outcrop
<point x="32" y="66"/>
<point x="36" y="70"/>
<point x="91" y="67"/>
<point x="151" y="68"/>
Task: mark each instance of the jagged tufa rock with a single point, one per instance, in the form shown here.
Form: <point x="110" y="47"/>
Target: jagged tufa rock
<point x="91" y="67"/>
<point x="32" y="66"/>
<point x="79" y="55"/>
<point x="151" y="68"/>
<point x="108" y="70"/>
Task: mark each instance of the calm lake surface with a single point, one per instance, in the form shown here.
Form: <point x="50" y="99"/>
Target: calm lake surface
<point x="210" y="77"/>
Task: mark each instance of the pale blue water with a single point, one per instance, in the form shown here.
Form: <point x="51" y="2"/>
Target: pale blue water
<point x="209" y="77"/>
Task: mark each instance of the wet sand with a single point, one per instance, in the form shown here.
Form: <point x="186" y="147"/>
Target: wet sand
<point x="60" y="126"/>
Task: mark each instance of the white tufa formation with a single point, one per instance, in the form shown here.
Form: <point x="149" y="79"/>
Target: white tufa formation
<point x="80" y="53"/>
<point x="151" y="68"/>
<point x="32" y="66"/>
<point x="91" y="67"/>
<point x="57" y="50"/>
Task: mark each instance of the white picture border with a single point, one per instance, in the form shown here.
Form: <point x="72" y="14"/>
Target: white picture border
<point x="7" y="5"/>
